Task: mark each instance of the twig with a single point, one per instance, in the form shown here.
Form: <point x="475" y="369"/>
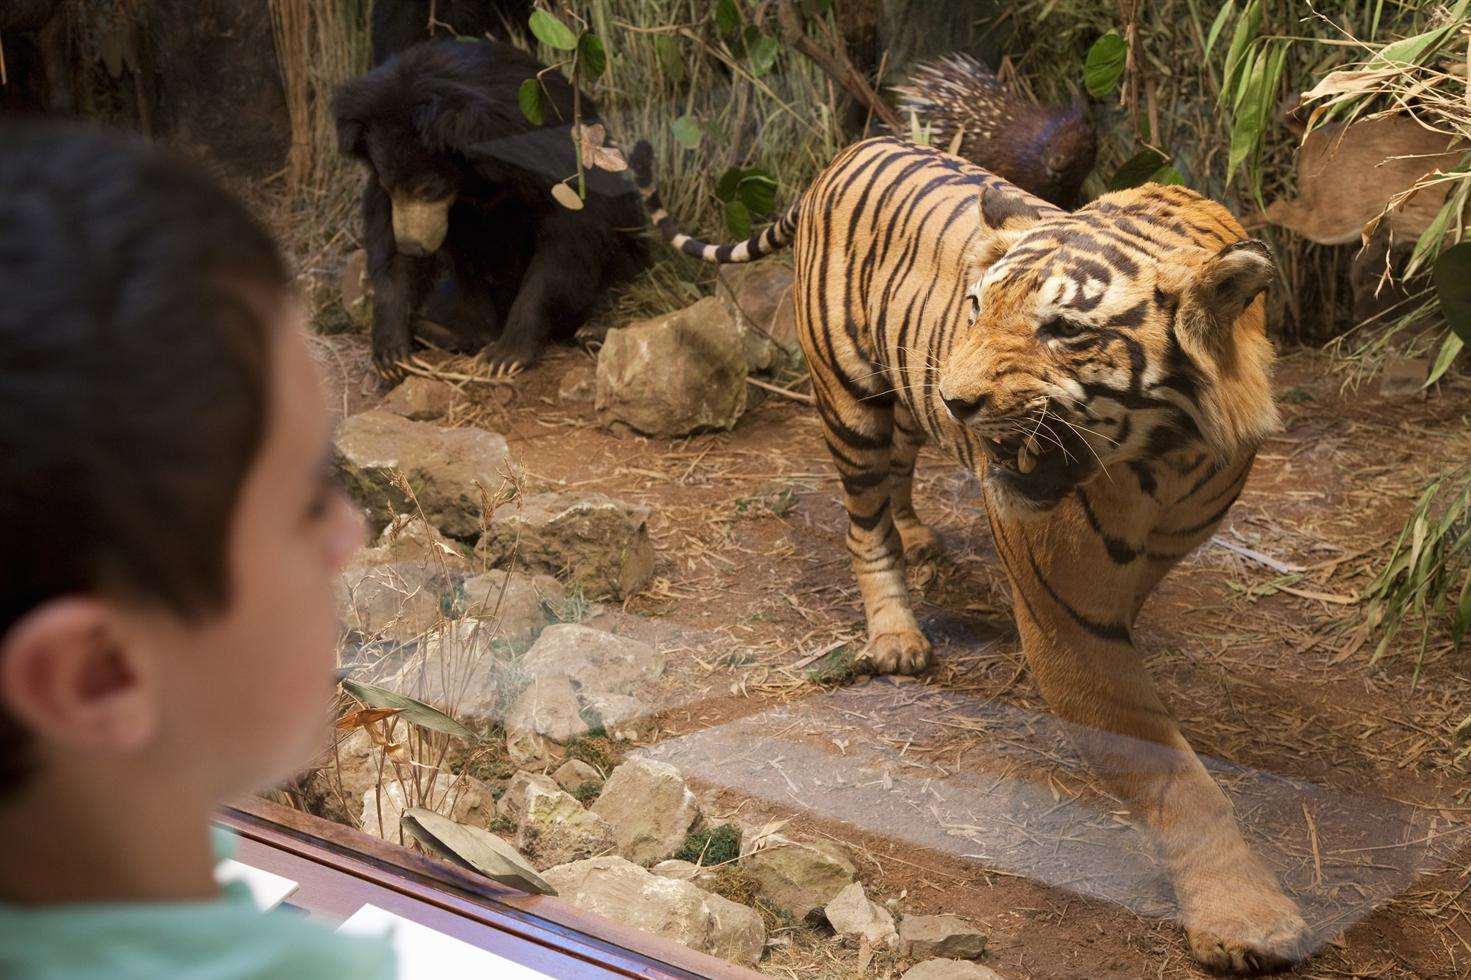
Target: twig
<point x="795" y="396"/>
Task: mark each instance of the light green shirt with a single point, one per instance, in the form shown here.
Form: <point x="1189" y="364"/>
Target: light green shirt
<point x="224" y="939"/>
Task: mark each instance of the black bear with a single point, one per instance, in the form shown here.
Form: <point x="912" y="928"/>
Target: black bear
<point x="399" y="24"/>
<point x="460" y="190"/>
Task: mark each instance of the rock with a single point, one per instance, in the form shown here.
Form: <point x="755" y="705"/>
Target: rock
<point x="650" y="809"/>
<point x="680" y="870"/>
<point x="850" y="913"/>
<point x="544" y="718"/>
<point x="397" y="601"/>
<point x="516" y="604"/>
<point x="947" y="936"/>
<point x="335" y="784"/>
<point x="799" y="876"/>
<point x="448" y="469"/>
<point x="464" y="799"/>
<point x="759" y="295"/>
<point x="512" y="804"/>
<point x="574" y="774"/>
<point x="677" y="910"/>
<point x="589" y="541"/>
<point x="1404" y="377"/>
<point x="420" y="399"/>
<point x="355" y="289"/>
<point x="620" y="715"/>
<point x="675" y="374"/>
<point x="597" y="662"/>
<point x="555" y="829"/>
<point x="950" y="970"/>
<point x="579" y="386"/>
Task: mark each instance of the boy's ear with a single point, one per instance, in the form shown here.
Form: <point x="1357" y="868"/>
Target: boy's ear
<point x="68" y="679"/>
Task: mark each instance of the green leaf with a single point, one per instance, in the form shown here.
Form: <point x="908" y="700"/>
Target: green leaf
<point x="1167" y="175"/>
<point x="530" y="98"/>
<point x="1220" y="22"/>
<point x="1411" y="50"/>
<point x="551" y="31"/>
<point x="762" y="50"/>
<point x="738" y="219"/>
<point x="727" y="17"/>
<point x="1246" y="123"/>
<point x="592" y="60"/>
<point x="1105" y="64"/>
<point x="666" y="50"/>
<point x="758" y="193"/>
<point x="725" y="188"/>
<point x="1452" y="276"/>
<point x="687" y="131"/>
<point x="1138" y="169"/>
<point x="410" y="710"/>
<point x="1241" y="39"/>
<point x="1449" y="348"/>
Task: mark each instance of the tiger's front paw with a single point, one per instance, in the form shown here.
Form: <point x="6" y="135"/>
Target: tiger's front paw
<point x="896" y="653"/>
<point x="921" y="544"/>
<point x="1244" y="926"/>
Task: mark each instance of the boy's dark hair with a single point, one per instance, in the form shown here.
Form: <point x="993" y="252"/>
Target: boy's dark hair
<point x="134" y="377"/>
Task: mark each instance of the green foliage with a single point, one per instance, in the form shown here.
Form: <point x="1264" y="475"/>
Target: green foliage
<point x="592" y="60"/>
<point x="1452" y="278"/>
<point x="1427" y="577"/>
<point x="838" y="667"/>
<point x="1104" y="65"/>
<point x="551" y="31"/>
<point x="687" y="131"/>
<point x="714" y="845"/>
<point x="532" y="101"/>
<point x="1141" y="168"/>
<point x="586" y="792"/>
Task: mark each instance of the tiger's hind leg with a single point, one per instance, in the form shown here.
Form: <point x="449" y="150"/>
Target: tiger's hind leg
<point x="921" y="543"/>
<point x="860" y="436"/>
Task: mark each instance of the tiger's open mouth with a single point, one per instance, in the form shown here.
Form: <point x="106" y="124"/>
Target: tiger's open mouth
<point x="1040" y="463"/>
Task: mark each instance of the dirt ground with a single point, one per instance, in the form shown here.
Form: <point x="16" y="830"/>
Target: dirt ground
<point x="957" y="790"/>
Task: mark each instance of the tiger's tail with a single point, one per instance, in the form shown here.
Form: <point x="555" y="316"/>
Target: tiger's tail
<point x="774" y="238"/>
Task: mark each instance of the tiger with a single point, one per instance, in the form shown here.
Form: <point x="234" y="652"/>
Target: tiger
<point x="1106" y="373"/>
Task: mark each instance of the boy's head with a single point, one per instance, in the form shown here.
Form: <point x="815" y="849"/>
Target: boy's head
<point x="169" y="528"/>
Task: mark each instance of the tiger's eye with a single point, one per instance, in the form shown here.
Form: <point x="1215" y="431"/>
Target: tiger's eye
<point x="1063" y="328"/>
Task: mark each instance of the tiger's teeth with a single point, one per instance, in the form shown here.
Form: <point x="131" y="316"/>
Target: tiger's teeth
<point x="996" y="440"/>
<point x="1025" y="461"/>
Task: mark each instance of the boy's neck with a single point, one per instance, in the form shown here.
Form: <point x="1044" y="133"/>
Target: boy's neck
<point x="90" y="839"/>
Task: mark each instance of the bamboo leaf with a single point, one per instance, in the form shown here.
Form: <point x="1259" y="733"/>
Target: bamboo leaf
<point x="473" y="848"/>
<point x="1449" y="348"/>
<point x="409" y="709"/>
<point x="1227" y="10"/>
<point x="1138" y="169"/>
<point x="1241" y="38"/>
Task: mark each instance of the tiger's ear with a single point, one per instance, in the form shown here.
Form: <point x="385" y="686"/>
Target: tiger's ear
<point x="1220" y="290"/>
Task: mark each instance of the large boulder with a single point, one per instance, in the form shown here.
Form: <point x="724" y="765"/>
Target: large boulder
<point x="677" y="910"/>
<point x="851" y="913"/>
<point x="596" y="661"/>
<point x="395" y="601"/>
<point x="574" y="774"/>
<point x="676" y="374"/>
<point x="451" y="471"/>
<point x="759" y="296"/>
<point x="799" y="876"/>
<point x="650" y="809"/>
<point x="555" y="829"/>
<point x="542" y="720"/>
<point x="464" y="799"/>
<point x="519" y="606"/>
<point x="946" y="936"/>
<point x="589" y="541"/>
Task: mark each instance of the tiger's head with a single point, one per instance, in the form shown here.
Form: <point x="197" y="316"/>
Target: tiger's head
<point x="1120" y="332"/>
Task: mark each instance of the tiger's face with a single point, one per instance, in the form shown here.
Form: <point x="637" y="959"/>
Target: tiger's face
<point x="1086" y="349"/>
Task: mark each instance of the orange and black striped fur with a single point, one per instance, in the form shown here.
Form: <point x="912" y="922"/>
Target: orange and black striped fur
<point x="1107" y="372"/>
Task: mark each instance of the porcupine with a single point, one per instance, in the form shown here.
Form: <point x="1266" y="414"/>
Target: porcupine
<point x="1047" y="150"/>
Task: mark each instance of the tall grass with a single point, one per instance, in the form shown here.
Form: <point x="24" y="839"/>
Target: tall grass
<point x="667" y="59"/>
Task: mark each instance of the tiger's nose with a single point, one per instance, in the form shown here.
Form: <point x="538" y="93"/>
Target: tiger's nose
<point x="964" y="408"/>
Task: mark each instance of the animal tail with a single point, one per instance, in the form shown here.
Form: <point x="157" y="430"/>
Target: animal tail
<point x="774" y="238"/>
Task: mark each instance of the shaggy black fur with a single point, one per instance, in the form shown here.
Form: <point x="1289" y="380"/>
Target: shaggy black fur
<point x="441" y="120"/>
<point x="400" y="24"/>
